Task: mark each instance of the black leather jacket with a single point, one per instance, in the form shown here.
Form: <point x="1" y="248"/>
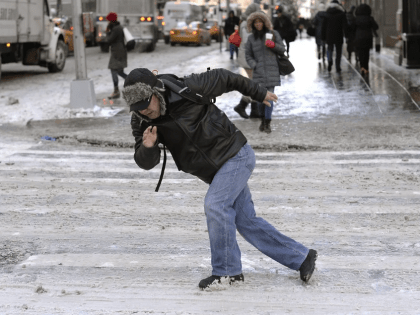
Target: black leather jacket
<point x="201" y="138"/>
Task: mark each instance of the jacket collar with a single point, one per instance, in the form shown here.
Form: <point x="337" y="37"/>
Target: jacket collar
<point x="335" y="6"/>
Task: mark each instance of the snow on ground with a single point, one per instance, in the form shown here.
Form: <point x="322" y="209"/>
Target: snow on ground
<point x="40" y="96"/>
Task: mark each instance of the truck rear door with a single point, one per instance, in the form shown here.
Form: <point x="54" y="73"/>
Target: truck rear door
<point x="30" y="22"/>
<point x="8" y="17"/>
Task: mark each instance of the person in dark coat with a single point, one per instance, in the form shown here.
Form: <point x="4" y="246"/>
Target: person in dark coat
<point x="317" y="22"/>
<point x="334" y="28"/>
<point x="118" y="58"/>
<point x="230" y="24"/>
<point x="365" y="25"/>
<point x="261" y="55"/>
<point x="351" y="32"/>
<point x="205" y="143"/>
<point x="243" y="32"/>
<point x="284" y="26"/>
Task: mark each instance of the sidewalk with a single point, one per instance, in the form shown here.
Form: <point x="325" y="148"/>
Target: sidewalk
<point x="317" y="110"/>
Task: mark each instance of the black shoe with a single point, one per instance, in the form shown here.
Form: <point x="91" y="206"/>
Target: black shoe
<point x="240" y="109"/>
<point x="262" y="125"/>
<point x="338" y="70"/>
<point x="205" y="283"/>
<point x="239" y="277"/>
<point x="255" y="112"/>
<point x="267" y="127"/>
<point x="329" y="67"/>
<point x="308" y="266"/>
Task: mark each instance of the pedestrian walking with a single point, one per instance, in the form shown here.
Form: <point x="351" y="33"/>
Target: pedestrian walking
<point x="351" y="34"/>
<point x="204" y="142"/>
<point x="365" y="26"/>
<point x="334" y="28"/>
<point x="235" y="41"/>
<point x="118" y="58"/>
<point x="261" y="55"/>
<point x="300" y="26"/>
<point x="243" y="32"/>
<point x="284" y="26"/>
<point x="230" y="24"/>
<point x="317" y="22"/>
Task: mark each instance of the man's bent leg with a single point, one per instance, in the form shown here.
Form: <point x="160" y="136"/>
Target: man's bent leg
<point x="227" y="184"/>
<point x="265" y="237"/>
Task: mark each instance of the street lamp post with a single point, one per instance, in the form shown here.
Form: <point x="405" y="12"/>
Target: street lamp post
<point x="82" y="94"/>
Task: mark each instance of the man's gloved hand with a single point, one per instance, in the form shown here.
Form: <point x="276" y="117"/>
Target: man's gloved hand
<point x="150" y="136"/>
<point x="269" y="43"/>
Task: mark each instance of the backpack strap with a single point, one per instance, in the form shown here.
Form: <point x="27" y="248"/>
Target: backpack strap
<point x="162" y="170"/>
<point x="175" y="85"/>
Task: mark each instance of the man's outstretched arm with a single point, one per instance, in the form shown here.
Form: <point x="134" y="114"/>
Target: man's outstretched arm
<point x="216" y="82"/>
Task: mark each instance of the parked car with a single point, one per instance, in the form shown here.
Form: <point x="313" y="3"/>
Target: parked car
<point x="194" y="33"/>
<point x="215" y="30"/>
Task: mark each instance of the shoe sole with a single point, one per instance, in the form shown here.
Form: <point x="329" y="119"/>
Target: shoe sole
<point x="309" y="275"/>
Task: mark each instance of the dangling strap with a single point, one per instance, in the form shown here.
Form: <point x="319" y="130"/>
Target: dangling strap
<point x="163" y="169"/>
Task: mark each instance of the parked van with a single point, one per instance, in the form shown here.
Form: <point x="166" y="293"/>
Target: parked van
<point x="175" y="12"/>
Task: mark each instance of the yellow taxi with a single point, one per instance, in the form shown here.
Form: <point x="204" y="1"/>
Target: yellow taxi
<point x="66" y="26"/>
<point x="215" y="30"/>
<point x="194" y="33"/>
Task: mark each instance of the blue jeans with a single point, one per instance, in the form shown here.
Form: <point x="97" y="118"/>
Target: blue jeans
<point x="229" y="207"/>
<point x="233" y="49"/>
<point x="264" y="108"/>
<point x="115" y="73"/>
<point x="338" y="52"/>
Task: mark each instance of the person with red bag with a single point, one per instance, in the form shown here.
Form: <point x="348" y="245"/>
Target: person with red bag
<point x="230" y="26"/>
<point x="235" y="41"/>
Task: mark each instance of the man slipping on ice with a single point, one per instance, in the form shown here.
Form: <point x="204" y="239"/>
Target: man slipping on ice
<point x="205" y="143"/>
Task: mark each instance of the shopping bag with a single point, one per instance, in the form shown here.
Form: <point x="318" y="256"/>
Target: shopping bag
<point x="235" y="39"/>
<point x="129" y="39"/>
<point x="285" y="66"/>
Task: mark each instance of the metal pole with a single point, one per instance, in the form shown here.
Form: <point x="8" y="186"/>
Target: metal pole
<point x="79" y="46"/>
<point x="219" y="19"/>
<point x="58" y="8"/>
<point x="82" y="92"/>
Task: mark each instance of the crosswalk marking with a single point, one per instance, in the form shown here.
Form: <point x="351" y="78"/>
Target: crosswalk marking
<point x="131" y="260"/>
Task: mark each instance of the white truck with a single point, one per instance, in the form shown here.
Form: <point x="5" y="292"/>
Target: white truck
<point x="177" y="11"/>
<point x="138" y="16"/>
<point x="28" y="35"/>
